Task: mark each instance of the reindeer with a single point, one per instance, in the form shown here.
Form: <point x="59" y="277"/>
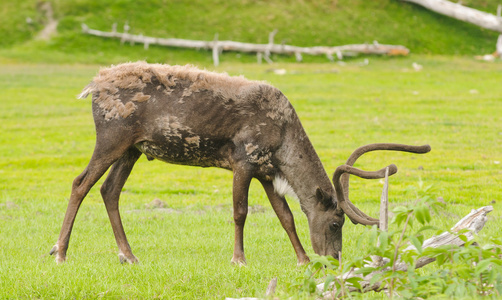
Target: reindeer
<point x="183" y="115"/>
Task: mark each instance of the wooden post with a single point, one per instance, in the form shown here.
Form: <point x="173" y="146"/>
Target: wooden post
<point x="125" y="33"/>
<point x="145" y="42"/>
<point x="271" y="37"/>
<point x="330" y="57"/>
<point x="298" y="56"/>
<point x="259" y="57"/>
<point x="384" y="203"/>
<point x="270" y="45"/>
<point x="216" y="58"/>
<point x="377" y="261"/>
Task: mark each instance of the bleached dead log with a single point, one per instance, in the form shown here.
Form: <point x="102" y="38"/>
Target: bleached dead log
<point x="470" y="15"/>
<point x="265" y="49"/>
<point x="474" y="221"/>
<point x="462" y="13"/>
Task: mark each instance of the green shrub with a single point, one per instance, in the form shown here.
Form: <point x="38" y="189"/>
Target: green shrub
<point x="462" y="272"/>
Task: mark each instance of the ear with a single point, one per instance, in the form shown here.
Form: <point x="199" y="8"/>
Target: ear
<point x="324" y="198"/>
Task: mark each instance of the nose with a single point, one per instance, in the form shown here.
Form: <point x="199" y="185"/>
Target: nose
<point x="336" y="256"/>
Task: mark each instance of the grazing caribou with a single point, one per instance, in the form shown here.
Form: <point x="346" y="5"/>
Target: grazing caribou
<point x="183" y="115"/>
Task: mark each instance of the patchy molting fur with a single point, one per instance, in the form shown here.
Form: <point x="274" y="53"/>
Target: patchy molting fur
<point x="140" y="97"/>
<point x="171" y="127"/>
<point x="261" y="157"/>
<point x="117" y="89"/>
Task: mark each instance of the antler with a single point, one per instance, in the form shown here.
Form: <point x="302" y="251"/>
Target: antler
<point x="342" y="173"/>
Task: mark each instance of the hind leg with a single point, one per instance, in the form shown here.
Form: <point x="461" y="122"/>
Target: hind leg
<point x="105" y="154"/>
<point x="110" y="190"/>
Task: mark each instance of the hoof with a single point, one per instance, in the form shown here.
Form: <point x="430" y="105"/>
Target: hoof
<point x="303" y="262"/>
<point x="240" y="262"/>
<point x="129" y="260"/>
<point x="58" y="256"/>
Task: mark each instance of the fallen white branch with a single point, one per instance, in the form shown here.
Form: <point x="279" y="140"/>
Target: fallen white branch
<point x="462" y="13"/>
<point x="263" y="50"/>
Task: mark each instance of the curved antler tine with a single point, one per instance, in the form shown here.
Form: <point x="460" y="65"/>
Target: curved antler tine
<point x="374" y="147"/>
<point x="365" y="174"/>
<point x="342" y="173"/>
<point x="355" y="215"/>
<point x="386" y="147"/>
<point x="392" y="171"/>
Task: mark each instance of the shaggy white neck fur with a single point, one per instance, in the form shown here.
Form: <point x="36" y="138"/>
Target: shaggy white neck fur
<point x="282" y="187"/>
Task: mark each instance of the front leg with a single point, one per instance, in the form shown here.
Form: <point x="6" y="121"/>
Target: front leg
<point x="286" y="218"/>
<point x="241" y="182"/>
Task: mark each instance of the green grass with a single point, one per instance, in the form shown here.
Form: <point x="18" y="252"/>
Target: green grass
<point x="47" y="138"/>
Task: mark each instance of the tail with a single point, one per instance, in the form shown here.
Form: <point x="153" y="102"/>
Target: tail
<point x="86" y="91"/>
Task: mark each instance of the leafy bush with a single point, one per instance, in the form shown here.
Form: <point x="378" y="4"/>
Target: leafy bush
<point x="462" y="272"/>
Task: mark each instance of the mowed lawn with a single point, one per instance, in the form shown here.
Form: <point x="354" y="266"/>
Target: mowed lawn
<point x="47" y="138"/>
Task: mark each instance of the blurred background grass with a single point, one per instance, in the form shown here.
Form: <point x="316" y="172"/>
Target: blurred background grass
<point x="302" y="23"/>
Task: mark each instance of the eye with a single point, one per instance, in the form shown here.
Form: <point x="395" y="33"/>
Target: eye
<point x="334" y="226"/>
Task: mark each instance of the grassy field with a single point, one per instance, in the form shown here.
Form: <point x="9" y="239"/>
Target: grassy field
<point x="47" y="138"/>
